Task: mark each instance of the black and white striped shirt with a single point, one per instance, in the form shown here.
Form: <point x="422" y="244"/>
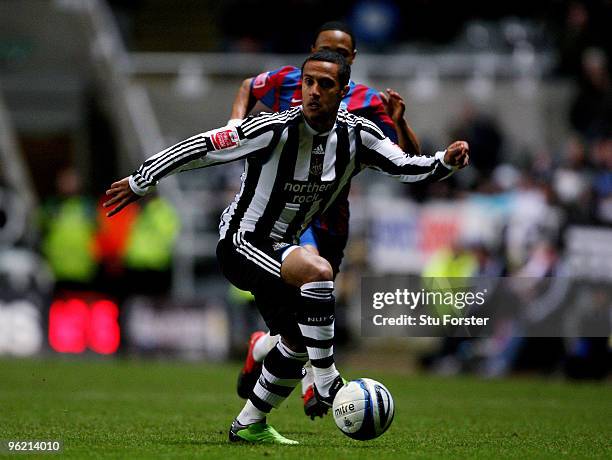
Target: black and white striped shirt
<point x="292" y="173"/>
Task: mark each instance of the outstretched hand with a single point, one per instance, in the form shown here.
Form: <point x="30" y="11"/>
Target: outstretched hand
<point x="394" y="104"/>
<point x="120" y="195"/>
<point x="457" y="154"/>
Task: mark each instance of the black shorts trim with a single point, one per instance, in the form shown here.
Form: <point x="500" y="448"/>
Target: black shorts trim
<point x="266" y="261"/>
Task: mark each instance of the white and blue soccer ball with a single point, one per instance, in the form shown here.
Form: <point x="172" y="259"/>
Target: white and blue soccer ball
<point x="363" y="409"/>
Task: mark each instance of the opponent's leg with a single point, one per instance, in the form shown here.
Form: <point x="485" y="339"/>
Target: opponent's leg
<point x="264" y="345"/>
<point x="260" y="344"/>
<point x="308" y="389"/>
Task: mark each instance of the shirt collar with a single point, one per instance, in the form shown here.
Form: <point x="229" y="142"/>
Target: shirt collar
<point x="313" y="132"/>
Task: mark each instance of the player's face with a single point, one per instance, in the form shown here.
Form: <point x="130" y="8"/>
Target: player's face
<point x="321" y="93"/>
<point x="335" y="40"/>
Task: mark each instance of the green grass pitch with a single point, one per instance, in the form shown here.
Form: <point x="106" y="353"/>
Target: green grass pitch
<point x="135" y="409"/>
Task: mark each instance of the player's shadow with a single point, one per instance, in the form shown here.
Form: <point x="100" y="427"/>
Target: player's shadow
<point x="225" y="442"/>
<point x="311" y="439"/>
<point x="198" y="442"/>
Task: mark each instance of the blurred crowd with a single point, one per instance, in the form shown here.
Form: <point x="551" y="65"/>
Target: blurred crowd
<point x="572" y="177"/>
<point x="380" y="25"/>
<point x="552" y="190"/>
<point x="86" y="251"/>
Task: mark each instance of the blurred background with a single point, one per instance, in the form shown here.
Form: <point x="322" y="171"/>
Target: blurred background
<point x="90" y="88"/>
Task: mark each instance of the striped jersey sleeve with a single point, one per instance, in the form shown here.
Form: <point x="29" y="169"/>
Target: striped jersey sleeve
<point x="378" y="152"/>
<point x="218" y="146"/>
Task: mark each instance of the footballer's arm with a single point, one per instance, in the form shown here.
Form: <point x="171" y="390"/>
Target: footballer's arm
<point x="244" y="101"/>
<point x="380" y="153"/>
<point x="218" y="146"/>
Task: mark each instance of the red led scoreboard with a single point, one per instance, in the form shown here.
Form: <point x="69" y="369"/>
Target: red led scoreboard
<point x="77" y="325"/>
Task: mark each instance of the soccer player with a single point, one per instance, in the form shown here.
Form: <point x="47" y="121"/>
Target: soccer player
<point x="297" y="162"/>
<point x="281" y="89"/>
<point x="328" y="235"/>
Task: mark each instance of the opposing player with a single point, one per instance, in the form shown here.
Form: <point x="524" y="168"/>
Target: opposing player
<point x="279" y="90"/>
<point x="297" y="162"/>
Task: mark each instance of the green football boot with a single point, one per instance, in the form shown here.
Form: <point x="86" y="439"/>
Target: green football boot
<point x="257" y="433"/>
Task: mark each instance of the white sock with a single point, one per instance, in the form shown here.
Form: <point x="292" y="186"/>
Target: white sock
<point x="250" y="414"/>
<point x="308" y="379"/>
<point x="316" y="322"/>
<point x="324" y="377"/>
<point x="263" y="346"/>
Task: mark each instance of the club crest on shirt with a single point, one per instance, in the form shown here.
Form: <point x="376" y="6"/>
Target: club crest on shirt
<point x="316" y="165"/>
<point x="225" y="139"/>
<point x="316" y="160"/>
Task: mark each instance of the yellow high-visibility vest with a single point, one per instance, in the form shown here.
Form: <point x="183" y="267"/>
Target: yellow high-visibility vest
<point x="152" y="238"/>
<point x="68" y="242"/>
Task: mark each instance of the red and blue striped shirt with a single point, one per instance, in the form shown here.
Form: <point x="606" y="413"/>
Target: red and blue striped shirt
<point x="281" y="89"/>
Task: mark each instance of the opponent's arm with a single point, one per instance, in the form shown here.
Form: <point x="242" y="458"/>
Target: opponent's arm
<point x="263" y="88"/>
<point x="395" y="108"/>
<point x="244" y="101"/>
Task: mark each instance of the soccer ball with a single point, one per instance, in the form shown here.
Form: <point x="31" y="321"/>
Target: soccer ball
<point x="363" y="409"/>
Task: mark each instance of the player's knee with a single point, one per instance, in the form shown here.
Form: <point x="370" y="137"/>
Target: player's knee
<point x="319" y="270"/>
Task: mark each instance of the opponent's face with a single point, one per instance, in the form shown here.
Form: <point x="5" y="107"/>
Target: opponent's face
<point x="335" y="40"/>
<point x="321" y="93"/>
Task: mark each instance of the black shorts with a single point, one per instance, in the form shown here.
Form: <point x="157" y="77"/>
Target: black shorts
<point x="254" y="265"/>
